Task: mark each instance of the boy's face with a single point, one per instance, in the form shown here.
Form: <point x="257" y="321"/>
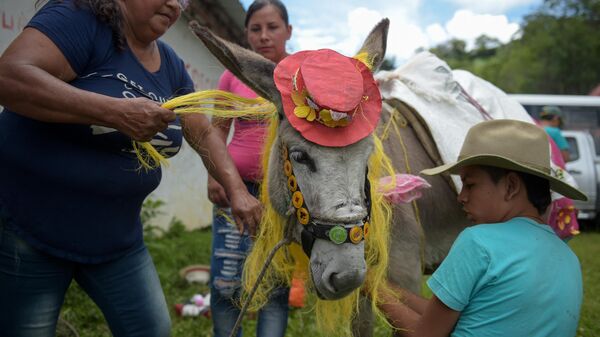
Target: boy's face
<point x="482" y="199"/>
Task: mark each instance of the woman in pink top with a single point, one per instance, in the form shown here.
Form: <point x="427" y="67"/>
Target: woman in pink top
<point x="267" y="30"/>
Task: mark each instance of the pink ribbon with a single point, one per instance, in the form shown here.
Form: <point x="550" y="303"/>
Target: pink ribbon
<point x="408" y="188"/>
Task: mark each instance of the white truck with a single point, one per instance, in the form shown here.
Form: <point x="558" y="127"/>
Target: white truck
<point x="584" y="166"/>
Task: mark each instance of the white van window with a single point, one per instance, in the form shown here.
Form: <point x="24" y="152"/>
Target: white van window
<point x="573" y="148"/>
<point x="586" y="118"/>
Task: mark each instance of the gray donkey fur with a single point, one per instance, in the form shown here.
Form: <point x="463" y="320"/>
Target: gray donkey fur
<point x="332" y="181"/>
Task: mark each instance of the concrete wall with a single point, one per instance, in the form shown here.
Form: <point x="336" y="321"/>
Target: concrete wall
<point x="183" y="187"/>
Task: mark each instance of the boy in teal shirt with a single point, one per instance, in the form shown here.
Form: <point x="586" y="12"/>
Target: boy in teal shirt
<point x="509" y="275"/>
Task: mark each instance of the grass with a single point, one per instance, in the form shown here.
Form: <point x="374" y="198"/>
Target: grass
<point x="178" y="248"/>
<point x="587" y="248"/>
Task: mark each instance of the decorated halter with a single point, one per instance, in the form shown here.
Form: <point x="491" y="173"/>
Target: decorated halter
<point x="313" y="230"/>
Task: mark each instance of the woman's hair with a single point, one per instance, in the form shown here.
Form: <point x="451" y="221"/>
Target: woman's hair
<point x="260" y="4"/>
<point x="538" y="189"/>
<point x="107" y="11"/>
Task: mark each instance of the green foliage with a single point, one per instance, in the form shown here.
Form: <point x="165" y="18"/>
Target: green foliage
<point x="150" y="210"/>
<point x="589" y="9"/>
<point x="558" y="51"/>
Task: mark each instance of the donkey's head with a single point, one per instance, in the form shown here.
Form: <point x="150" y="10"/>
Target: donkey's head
<point x="328" y="106"/>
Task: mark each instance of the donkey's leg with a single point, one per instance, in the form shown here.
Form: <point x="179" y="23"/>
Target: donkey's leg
<point x="362" y="325"/>
<point x="406" y="249"/>
<point x="405" y="263"/>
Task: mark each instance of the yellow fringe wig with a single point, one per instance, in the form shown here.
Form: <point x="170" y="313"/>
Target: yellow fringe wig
<point x="334" y="318"/>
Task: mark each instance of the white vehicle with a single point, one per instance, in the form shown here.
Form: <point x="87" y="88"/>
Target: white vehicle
<point x="581" y="119"/>
<point x="584" y="166"/>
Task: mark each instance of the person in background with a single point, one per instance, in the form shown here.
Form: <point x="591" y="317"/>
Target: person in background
<point x="551" y="121"/>
<point x="509" y="274"/>
<point x="79" y="83"/>
<point x="267" y="30"/>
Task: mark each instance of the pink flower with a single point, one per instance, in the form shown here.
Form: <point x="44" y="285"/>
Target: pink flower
<point x="407" y="188"/>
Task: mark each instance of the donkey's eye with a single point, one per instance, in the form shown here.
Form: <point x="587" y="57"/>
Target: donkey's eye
<point x="303" y="158"/>
<point x="299" y="156"/>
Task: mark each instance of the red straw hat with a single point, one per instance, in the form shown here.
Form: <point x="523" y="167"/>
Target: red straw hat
<point x="331" y="99"/>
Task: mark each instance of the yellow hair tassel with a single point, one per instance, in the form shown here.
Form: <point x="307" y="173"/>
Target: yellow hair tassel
<point x="364" y="57"/>
<point x="208" y="102"/>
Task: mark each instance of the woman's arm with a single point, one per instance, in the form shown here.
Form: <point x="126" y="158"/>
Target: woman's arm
<point x="34" y="75"/>
<point x="208" y="142"/>
<point x="216" y="192"/>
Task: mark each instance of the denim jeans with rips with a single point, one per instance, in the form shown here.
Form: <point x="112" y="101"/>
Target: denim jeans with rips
<point x="33" y="287"/>
<point x="229" y="251"/>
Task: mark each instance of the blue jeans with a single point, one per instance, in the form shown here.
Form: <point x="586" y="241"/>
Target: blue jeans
<point x="229" y="251"/>
<point x="33" y="286"/>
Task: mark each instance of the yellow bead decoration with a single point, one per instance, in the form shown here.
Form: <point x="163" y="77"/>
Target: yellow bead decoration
<point x="356" y="234"/>
<point x="287" y="168"/>
<point x="297" y="199"/>
<point x="366" y="229"/>
<point x="302" y="215"/>
<point x="292" y="183"/>
<point x="284" y="153"/>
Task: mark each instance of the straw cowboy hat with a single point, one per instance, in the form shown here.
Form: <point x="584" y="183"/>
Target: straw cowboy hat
<point x="331" y="99"/>
<point x="512" y="145"/>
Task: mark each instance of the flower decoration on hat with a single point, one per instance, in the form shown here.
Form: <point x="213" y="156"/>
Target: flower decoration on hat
<point x="308" y="109"/>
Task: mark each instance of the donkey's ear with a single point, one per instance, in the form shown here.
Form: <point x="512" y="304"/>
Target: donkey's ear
<point x="372" y="51"/>
<point x="251" y="68"/>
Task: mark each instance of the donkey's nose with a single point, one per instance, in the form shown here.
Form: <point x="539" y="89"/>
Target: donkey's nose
<point x="345" y="282"/>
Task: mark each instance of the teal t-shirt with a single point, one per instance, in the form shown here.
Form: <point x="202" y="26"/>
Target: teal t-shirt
<point x="557" y="137"/>
<point x="515" y="278"/>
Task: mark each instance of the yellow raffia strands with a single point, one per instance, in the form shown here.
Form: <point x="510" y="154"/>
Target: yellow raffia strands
<point x="364" y="57"/>
<point x="334" y="318"/>
<point x="148" y="156"/>
<point x="270" y="232"/>
<point x="208" y="102"/>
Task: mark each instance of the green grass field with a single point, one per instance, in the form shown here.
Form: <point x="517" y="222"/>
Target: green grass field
<point x="587" y="248"/>
<point x="178" y="248"/>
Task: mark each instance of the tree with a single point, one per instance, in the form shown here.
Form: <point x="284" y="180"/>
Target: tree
<point x="558" y="51"/>
<point x="485" y="46"/>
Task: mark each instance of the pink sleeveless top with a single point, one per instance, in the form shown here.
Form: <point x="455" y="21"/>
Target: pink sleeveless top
<point x="245" y="147"/>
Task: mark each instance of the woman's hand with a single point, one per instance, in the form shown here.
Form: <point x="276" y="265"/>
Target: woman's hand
<point x="142" y="118"/>
<point x="246" y="210"/>
<point x="216" y="193"/>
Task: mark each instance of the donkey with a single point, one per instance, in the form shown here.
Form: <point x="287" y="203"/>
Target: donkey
<point x="333" y="183"/>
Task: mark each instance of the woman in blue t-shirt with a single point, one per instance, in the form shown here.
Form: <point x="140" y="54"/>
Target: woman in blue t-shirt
<point x="80" y="82"/>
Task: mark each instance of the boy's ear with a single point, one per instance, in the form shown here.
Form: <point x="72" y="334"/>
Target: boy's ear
<point x="514" y="185"/>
